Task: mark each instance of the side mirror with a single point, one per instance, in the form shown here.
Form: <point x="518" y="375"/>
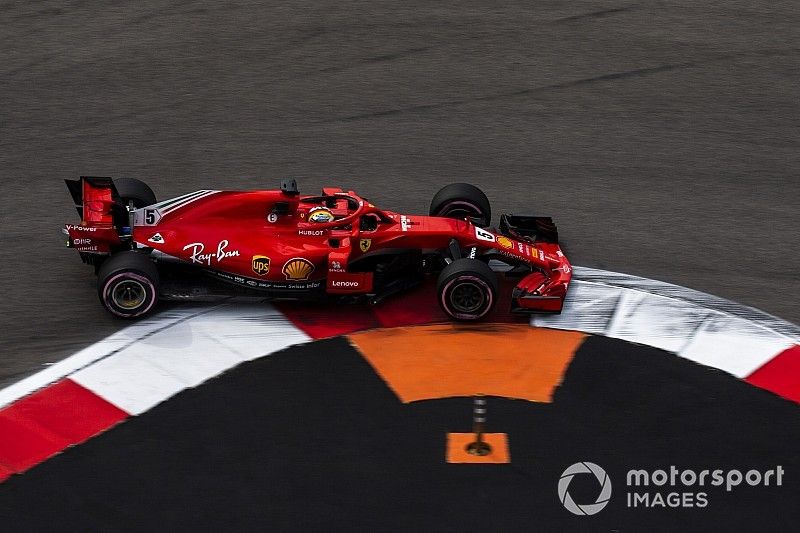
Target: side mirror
<point x="289" y="187"/>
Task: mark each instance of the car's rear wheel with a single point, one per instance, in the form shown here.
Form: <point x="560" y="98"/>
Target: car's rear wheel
<point x="136" y="191"/>
<point x="462" y="200"/>
<point x="467" y="289"/>
<point x="127" y="284"/>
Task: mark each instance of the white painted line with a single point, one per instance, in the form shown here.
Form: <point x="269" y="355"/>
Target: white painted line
<point x="704" y="328"/>
<point x="685" y="294"/>
<point x="119" y="340"/>
<point x="253" y="331"/>
<point x="656" y="321"/>
<point x="626" y="307"/>
<point x="131" y="384"/>
<point x="145" y="374"/>
<point x="153" y="359"/>
<point x="733" y="344"/>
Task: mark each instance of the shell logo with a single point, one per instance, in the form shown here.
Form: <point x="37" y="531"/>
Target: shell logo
<point x="505" y="242"/>
<point x="297" y="269"/>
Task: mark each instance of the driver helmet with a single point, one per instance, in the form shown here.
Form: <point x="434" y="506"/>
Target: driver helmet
<point x="320" y="215"/>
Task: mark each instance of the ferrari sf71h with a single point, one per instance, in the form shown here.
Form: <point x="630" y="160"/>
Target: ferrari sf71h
<point x="279" y="244"/>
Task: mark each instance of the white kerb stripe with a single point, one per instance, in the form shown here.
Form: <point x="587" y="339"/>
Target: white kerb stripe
<point x="145" y="374"/>
<point x="150" y="360"/>
<point x="588" y="307"/>
<point x="734" y="344"/>
<point x="117" y="341"/>
<point x="655" y="320"/>
<point x="718" y="338"/>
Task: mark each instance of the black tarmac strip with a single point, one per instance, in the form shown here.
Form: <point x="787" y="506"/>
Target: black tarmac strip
<point x="312" y="439"/>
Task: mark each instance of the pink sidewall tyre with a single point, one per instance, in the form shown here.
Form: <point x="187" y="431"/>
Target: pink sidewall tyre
<point x="467" y="289"/>
<point x="127" y="284"/>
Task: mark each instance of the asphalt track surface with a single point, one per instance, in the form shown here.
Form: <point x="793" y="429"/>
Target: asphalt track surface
<point x="661" y="135"/>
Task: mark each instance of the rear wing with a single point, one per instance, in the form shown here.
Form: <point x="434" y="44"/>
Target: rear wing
<point x="97" y="235"/>
<point x="94" y="199"/>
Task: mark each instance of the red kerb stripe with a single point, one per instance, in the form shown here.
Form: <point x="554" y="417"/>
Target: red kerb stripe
<point x="320" y="321"/>
<point x="781" y="374"/>
<point x="44" y="423"/>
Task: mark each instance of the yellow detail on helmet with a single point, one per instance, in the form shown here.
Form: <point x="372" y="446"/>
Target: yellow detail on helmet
<point x="320" y="214"/>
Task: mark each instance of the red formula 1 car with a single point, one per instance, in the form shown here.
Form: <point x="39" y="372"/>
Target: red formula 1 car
<point x="283" y="245"/>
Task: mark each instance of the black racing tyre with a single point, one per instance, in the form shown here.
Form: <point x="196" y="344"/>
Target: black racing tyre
<point x="136" y="191"/>
<point x="127" y="284"/>
<point x="467" y="289"/>
<point x="462" y="200"/>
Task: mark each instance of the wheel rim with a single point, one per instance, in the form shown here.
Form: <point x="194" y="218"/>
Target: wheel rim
<point x="461" y="209"/>
<point x="129" y="294"/>
<point x="467" y="297"/>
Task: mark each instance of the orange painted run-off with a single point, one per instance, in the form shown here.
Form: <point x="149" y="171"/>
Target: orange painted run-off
<point x="457" y="448"/>
<point x="446" y="360"/>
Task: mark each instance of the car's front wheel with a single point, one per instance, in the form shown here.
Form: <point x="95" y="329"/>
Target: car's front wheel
<point x="467" y="289"/>
<point x="127" y="284"/>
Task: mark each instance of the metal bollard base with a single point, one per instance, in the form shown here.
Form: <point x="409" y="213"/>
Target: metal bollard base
<point x="458" y="452"/>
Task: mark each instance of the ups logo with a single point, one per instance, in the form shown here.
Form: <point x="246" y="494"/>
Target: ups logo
<point x="261" y="265"/>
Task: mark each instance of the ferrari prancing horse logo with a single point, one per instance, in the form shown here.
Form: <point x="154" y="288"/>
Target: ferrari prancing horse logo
<point x="364" y="244"/>
<point x="261" y="265"/>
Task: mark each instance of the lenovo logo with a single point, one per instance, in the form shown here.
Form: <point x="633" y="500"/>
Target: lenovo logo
<point x="345" y="284"/>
